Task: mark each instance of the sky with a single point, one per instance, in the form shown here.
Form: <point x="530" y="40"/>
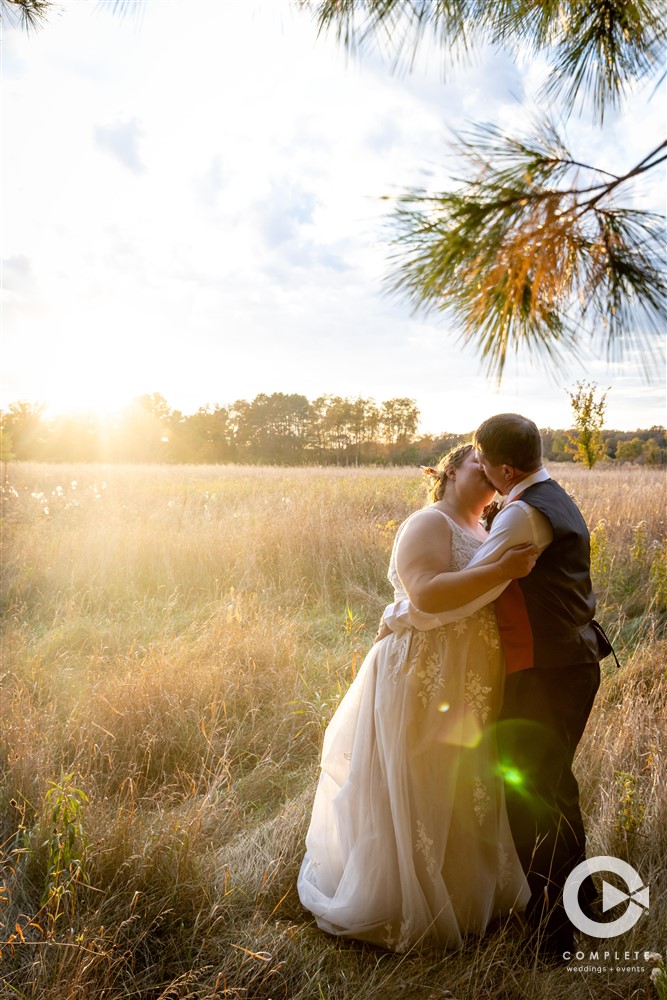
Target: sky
<point x="194" y="204"/>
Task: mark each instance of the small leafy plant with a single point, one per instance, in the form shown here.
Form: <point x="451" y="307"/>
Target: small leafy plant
<point x="67" y="847"/>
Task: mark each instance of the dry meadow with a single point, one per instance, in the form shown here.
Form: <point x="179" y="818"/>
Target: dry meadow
<point x="175" y="641"/>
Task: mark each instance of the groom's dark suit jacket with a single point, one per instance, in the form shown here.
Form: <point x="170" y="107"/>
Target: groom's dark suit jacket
<point x="546" y="618"/>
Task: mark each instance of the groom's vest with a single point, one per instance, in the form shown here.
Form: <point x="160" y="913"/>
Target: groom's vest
<point x="546" y="618"/>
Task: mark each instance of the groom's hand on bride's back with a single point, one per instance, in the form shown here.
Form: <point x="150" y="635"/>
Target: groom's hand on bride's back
<point x="519" y="560"/>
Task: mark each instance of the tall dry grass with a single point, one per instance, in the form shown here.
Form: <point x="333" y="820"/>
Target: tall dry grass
<point x="175" y="642"/>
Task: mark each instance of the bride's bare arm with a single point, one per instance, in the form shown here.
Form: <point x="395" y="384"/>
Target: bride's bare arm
<point x="423" y="560"/>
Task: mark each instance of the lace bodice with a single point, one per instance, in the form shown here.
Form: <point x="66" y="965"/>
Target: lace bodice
<point x="464" y="546"/>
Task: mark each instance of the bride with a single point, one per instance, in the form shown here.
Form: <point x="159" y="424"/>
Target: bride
<point x="409" y="843"/>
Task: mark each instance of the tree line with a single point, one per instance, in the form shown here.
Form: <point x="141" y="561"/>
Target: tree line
<point x="273" y="429"/>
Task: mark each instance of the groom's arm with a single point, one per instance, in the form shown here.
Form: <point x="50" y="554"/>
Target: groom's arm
<point x="516" y="524"/>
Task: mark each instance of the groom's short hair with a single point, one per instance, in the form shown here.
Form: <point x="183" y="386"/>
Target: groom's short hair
<point x="510" y="439"/>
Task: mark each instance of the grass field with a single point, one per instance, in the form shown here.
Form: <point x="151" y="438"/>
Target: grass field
<point x="175" y="641"/>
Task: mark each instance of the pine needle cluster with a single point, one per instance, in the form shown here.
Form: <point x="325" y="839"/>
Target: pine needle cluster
<point x="531" y="252"/>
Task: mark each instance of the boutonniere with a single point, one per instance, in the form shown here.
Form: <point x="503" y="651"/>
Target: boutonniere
<point x="489" y="512"/>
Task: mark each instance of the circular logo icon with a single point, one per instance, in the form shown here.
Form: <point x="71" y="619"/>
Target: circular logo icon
<point x="637" y="896"/>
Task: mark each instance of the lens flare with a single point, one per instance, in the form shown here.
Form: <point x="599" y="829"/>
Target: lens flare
<point x="512" y="776"/>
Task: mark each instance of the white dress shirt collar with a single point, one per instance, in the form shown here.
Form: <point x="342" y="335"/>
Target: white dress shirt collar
<point x="535" y="477"/>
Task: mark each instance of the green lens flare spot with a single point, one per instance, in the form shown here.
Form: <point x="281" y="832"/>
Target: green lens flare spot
<point x="512" y="776"/>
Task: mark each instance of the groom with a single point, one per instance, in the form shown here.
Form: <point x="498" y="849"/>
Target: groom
<point x="552" y="650"/>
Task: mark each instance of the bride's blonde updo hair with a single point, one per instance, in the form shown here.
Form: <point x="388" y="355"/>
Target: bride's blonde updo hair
<point x="436" y="478"/>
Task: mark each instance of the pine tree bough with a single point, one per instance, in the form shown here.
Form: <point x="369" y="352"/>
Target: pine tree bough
<point x="531" y="251"/>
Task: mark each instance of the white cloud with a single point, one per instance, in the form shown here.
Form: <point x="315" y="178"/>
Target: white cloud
<point x="122" y="140"/>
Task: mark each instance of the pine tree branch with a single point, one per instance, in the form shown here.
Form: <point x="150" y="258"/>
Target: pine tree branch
<point x="30" y="14"/>
<point x="594" y="47"/>
<point x="587" y="166"/>
<point x="646" y="164"/>
<point x="526" y="261"/>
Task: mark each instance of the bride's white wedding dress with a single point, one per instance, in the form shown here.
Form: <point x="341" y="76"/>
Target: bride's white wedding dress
<point x="409" y="843"/>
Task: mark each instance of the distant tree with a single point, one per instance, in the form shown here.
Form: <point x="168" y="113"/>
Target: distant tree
<point x="555" y="445"/>
<point x="6" y="454"/>
<point x="25" y="425"/>
<point x="653" y="453"/>
<point x="629" y="451"/>
<point x="206" y="436"/>
<point x="332" y="428"/>
<point x="144" y="430"/>
<point x="156" y="406"/>
<point x="75" y="438"/>
<point x="6" y="446"/>
<point x="399" y="419"/>
<point x="530" y="251"/>
<point x="559" y="447"/>
<point x="317" y="437"/>
<point x="445" y="442"/>
<point x="238" y="428"/>
<point x="283" y="429"/>
<point x="587" y="445"/>
<point x="364" y="425"/>
<point x="274" y="427"/>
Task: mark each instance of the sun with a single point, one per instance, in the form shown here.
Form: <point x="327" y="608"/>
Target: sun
<point x="75" y="371"/>
<point x="80" y="393"/>
<point x="94" y="405"/>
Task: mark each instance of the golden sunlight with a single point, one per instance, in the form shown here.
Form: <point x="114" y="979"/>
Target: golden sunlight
<point x="95" y="366"/>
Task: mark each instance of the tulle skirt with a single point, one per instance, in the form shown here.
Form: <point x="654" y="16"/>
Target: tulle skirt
<point x="409" y="843"/>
